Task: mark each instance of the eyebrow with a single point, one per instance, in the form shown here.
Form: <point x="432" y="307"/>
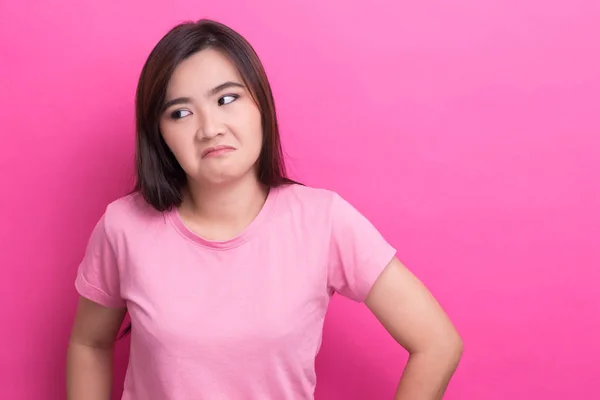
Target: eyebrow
<point x="211" y="92"/>
<point x="225" y="85"/>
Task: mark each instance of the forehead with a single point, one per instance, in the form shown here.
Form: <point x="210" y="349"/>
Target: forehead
<point x="201" y="72"/>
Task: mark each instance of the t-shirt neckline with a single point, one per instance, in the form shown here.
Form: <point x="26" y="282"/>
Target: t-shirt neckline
<point x="244" y="236"/>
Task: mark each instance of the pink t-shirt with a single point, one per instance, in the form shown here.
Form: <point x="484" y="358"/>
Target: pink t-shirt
<point x="239" y="319"/>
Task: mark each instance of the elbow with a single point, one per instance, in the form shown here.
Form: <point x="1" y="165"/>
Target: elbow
<point x="91" y="343"/>
<point x="457" y="349"/>
<point x="450" y="349"/>
<point x="447" y="350"/>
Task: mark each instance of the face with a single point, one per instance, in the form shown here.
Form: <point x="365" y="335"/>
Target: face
<point x="210" y="121"/>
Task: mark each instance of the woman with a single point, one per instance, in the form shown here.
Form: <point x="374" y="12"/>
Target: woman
<point x="226" y="266"/>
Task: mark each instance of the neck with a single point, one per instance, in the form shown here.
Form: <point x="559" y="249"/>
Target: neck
<point x="218" y="211"/>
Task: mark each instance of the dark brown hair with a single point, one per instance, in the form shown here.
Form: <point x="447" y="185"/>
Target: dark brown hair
<point x="159" y="177"/>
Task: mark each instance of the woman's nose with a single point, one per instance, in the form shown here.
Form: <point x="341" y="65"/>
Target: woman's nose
<point x="210" y="127"/>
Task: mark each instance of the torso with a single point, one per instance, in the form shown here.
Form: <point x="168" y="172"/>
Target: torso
<point x="232" y="320"/>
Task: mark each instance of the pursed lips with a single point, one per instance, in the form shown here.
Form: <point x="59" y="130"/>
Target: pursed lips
<point x="216" y="150"/>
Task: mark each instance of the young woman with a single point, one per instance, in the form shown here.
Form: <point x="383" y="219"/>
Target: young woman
<point x="225" y="265"/>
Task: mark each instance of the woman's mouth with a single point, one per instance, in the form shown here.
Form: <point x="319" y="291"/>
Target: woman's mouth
<point x="217" y="151"/>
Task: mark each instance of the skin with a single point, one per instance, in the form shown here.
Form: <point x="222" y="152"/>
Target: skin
<point x="212" y="108"/>
<point x="416" y="321"/>
<point x="208" y="105"/>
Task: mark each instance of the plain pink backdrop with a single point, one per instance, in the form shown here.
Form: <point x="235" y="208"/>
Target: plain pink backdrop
<point x="467" y="131"/>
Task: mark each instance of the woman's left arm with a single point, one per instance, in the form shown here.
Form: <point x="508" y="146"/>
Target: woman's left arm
<point x="416" y="321"/>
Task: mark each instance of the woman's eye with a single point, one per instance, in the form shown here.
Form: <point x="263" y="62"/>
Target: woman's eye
<point x="227" y="99"/>
<point x="178" y="114"/>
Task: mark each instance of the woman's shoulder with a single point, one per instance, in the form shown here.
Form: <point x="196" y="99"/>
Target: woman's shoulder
<point x="318" y="202"/>
<point x="129" y="210"/>
<point x="311" y="197"/>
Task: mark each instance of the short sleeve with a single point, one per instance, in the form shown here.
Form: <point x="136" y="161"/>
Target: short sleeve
<point x="358" y="253"/>
<point x="98" y="273"/>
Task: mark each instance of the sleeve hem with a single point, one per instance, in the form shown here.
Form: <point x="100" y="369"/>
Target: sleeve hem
<point x="96" y="295"/>
<point x="374" y="269"/>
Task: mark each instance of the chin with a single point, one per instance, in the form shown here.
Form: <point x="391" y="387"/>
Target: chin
<point x="221" y="179"/>
<point x="223" y="176"/>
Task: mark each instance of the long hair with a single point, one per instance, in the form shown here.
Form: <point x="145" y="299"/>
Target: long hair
<point x="159" y="177"/>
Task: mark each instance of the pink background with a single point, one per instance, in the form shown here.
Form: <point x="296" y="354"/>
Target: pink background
<point x="467" y="131"/>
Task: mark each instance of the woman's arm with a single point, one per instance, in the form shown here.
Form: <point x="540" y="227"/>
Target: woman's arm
<point x="90" y="352"/>
<point x="417" y="322"/>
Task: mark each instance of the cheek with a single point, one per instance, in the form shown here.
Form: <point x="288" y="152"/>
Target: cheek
<point x="254" y="143"/>
<point x="254" y="136"/>
<point x="178" y="144"/>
